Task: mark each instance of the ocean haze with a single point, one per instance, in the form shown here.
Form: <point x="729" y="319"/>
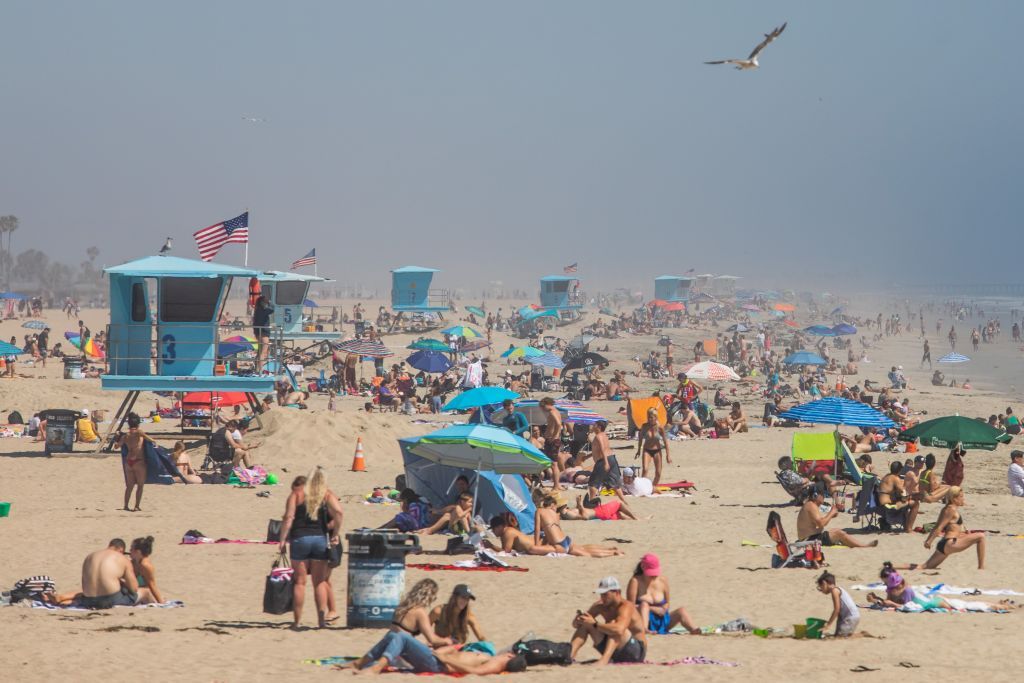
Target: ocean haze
<point x="877" y="142"/>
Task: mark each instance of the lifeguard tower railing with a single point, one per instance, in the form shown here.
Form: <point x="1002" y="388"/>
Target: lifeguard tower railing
<point x="184" y="357"/>
<point x="411" y="300"/>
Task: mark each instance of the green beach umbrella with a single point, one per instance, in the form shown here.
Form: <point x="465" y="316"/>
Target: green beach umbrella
<point x="428" y="345"/>
<point x="946" y="432"/>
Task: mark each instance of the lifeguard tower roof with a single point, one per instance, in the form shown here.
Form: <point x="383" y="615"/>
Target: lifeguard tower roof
<point x="558" y="278"/>
<point x="411" y="291"/>
<point x="175" y="266"/>
<point x="283" y="276"/>
<point x="415" y="269"/>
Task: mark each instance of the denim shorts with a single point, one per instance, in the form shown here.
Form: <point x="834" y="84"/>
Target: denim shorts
<point x="308" y="548"/>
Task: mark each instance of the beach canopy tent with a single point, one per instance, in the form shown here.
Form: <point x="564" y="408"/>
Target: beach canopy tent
<point x="496" y="493"/>
<point x="823" y="452"/>
<point x="636" y="412"/>
<point x="838" y="411"/>
<point x="803" y="358"/>
<point x="946" y="432"/>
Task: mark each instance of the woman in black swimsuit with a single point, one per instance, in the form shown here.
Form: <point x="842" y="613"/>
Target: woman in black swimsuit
<point x="413" y="613"/>
<point x="652" y="443"/>
<point x="955" y="538"/>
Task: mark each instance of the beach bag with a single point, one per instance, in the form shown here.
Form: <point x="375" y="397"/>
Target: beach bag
<point x="278" y="587"/>
<point x="333" y="554"/>
<point x="15" y="418"/>
<point x="544" y="652"/>
<point x="459" y="545"/>
<point x="274" y="531"/>
<point x="722" y="429"/>
<point x="32" y="588"/>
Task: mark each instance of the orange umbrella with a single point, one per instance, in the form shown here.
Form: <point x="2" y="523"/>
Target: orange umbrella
<point x="785" y="307"/>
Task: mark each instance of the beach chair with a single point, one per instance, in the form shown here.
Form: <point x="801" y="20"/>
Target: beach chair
<point x="797" y="492"/>
<point x="802" y="554"/>
<point x="867" y="502"/>
<point x="219" y="454"/>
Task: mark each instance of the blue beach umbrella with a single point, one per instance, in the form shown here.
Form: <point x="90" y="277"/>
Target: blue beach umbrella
<point x="309" y="303"/>
<point x="34" y="325"/>
<point x="429" y="361"/>
<point x="820" y="331"/>
<point x="481" y="396"/>
<point x="7" y="349"/>
<point x="838" y="411"/>
<point x="548" y="360"/>
<point x="843" y="329"/>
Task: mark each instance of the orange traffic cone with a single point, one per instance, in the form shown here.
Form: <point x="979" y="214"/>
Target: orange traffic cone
<point x="359" y="462"/>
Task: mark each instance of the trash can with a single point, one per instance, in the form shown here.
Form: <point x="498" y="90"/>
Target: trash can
<point x="376" y="575"/>
<point x="60" y="429"/>
<point x="73" y="367"/>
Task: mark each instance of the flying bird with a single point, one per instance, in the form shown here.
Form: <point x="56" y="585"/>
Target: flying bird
<point x="751" y="61"/>
<point x="166" y="249"/>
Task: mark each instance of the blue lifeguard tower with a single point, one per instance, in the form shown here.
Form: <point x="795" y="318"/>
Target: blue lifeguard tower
<point x="562" y="294"/>
<point x="672" y="288"/>
<point x="173" y="346"/>
<point x="411" y="294"/>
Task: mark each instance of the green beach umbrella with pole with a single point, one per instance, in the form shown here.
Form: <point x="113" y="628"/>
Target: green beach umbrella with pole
<point x="946" y="432"/>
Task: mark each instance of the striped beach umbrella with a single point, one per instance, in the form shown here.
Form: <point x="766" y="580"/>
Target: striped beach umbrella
<point x="838" y="411"/>
<point x="548" y="360"/>
<point x="461" y="331"/>
<point x="363" y="347"/>
<point x="711" y="371"/>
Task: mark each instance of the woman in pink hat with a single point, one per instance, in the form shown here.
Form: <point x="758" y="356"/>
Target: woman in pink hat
<point x="649" y="590"/>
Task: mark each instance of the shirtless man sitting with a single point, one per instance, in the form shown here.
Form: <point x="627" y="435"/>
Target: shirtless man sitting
<point x="621" y="637"/>
<point x="810" y="523"/>
<point x="108" y="578"/>
<point x="897" y="506"/>
<point x="736" y="419"/>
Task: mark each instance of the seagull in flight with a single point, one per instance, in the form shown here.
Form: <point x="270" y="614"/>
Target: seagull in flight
<point x="751" y="61"/>
<point x="254" y="119"/>
<point x="166" y="249"/>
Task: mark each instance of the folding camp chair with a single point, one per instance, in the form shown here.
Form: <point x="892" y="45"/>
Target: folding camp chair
<point x="867" y="502"/>
<point x="804" y="554"/>
<point x="797" y="492"/>
<point x="219" y="454"/>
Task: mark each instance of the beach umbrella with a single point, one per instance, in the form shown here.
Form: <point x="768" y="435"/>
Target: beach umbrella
<point x="241" y="338"/>
<point x="585" y="360"/>
<point x="8" y="349"/>
<point x="91" y="348"/>
<point x="843" y="329"/>
<point x="790" y="323"/>
<point x="674" y="306"/>
<point x="712" y="371"/>
<point x="429" y="361"/>
<point x="953" y="358"/>
<point x="522" y="351"/>
<point x="580" y="341"/>
<point x="738" y="327"/>
<point x="222" y="399"/>
<point x="34" y="325"/>
<point x="428" y="345"/>
<point x="946" y="432"/>
<point x="461" y="331"/>
<point x="363" y="347"/>
<point x="804" y="358"/>
<point x="229" y="348"/>
<point x="820" y="330"/>
<point x="481" y="396"/>
<point x="656" y="303"/>
<point x="12" y="295"/>
<point x="481" y="447"/>
<point x="309" y="303"/>
<point x="477" y="311"/>
<point x="547" y="360"/>
<point x="838" y="411"/>
<point x="572" y="411"/>
<point x="787" y="308"/>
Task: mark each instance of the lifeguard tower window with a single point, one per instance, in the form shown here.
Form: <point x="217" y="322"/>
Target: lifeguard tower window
<point x="139" y="303"/>
<point x="189" y="299"/>
<point x="560" y="286"/>
<point x="290" y="293"/>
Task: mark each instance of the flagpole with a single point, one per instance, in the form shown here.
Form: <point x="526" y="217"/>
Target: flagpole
<point x="247" y="242"/>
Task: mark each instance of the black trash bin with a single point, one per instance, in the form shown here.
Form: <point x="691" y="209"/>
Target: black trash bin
<point x="376" y="575"/>
<point x="60" y="429"/>
<point x="72" y="367"/>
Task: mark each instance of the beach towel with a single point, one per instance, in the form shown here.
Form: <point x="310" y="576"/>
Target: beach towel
<point x="685" y="661"/>
<point x="470" y="566"/>
<point x="203" y="540"/>
<point x="957" y="605"/>
<point x="37" y="604"/>
<point x="251" y="477"/>
<point x="942" y="589"/>
<point x="160" y="468"/>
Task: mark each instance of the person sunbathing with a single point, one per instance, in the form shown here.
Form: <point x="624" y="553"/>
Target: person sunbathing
<point x="613" y="510"/>
<point x="736" y="420"/>
<point x="648" y="590"/>
<point x="506" y="528"/>
<point x="458" y="518"/>
<point x="898" y="593"/>
<point x="449" y="659"/>
<point x="546" y="525"/>
<point x="810" y="523"/>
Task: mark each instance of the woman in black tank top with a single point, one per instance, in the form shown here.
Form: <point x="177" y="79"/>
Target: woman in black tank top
<point x="308" y="532"/>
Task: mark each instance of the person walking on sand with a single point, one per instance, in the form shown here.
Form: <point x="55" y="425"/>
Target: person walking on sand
<point x="134" y="462"/>
<point x="926" y="355"/>
<point x="552" y="439"/>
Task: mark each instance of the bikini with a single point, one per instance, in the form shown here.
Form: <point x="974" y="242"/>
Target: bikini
<point x="657" y="444"/>
<point x="410" y="631"/>
<point x="941" y="547"/>
<point x="566" y="542"/>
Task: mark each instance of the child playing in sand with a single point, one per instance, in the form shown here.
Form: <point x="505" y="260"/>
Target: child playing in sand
<point x="845" y="614"/>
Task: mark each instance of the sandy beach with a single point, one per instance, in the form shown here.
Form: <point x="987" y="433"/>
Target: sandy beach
<point x="65" y="507"/>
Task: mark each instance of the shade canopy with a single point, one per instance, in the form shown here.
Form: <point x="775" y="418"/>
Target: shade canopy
<point x="547" y="360"/>
<point x="946" y="432"/>
<point x="804" y="358"/>
<point x="8" y="349"/>
<point x="481" y="447"/>
<point x="216" y="399"/>
<point x="838" y="411"/>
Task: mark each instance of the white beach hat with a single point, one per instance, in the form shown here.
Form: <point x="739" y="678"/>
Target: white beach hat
<point x="608" y="583"/>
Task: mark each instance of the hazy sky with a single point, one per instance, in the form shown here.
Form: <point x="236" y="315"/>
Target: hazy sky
<point x="502" y="141"/>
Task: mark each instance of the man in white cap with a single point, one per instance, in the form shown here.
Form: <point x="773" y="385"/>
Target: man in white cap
<point x="634" y="485"/>
<point x="620" y="636"/>
<point x="85" y="428"/>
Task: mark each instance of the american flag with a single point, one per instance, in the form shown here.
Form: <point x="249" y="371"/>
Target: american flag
<point x="570" y="269"/>
<point x="210" y="240"/>
<point x="307" y="260"/>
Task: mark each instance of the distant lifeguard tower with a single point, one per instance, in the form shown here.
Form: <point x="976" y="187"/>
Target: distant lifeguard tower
<point x="412" y="296"/>
<point x="672" y="288"/>
<point x="173" y="347"/>
<point x="562" y="294"/>
<point x="724" y="285"/>
<point x="288" y="294"/>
